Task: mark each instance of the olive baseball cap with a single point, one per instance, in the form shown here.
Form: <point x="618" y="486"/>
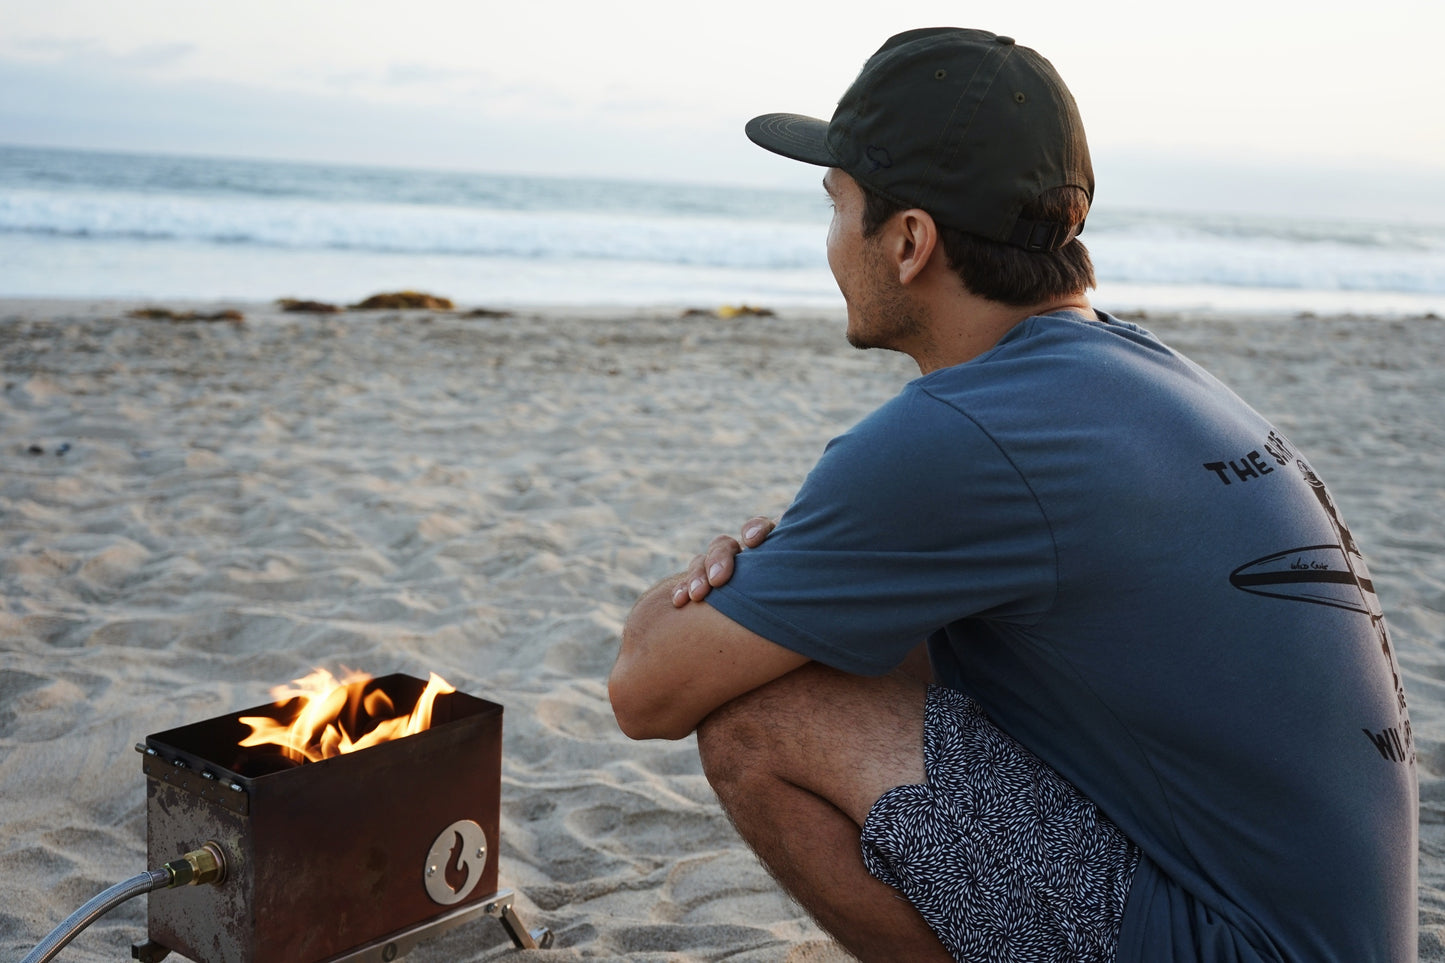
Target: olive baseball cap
<point x="965" y="124"/>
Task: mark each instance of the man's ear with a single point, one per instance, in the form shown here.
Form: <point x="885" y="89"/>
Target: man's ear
<point x="917" y="243"/>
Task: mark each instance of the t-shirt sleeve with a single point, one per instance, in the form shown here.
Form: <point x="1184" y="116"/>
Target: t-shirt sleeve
<point x="911" y="520"/>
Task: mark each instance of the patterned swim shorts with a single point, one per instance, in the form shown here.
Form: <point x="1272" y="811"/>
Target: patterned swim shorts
<point x="1002" y="856"/>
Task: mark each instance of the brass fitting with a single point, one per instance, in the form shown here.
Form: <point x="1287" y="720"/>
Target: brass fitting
<point x="198" y="867"/>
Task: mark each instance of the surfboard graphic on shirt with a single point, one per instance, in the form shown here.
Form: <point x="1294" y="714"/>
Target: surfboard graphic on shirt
<point x="1315" y="573"/>
<point x="1336" y="575"/>
<point x="1333" y="574"/>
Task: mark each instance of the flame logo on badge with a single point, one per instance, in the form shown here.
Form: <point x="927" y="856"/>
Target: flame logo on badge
<point x="459" y="870"/>
<point x="454" y="863"/>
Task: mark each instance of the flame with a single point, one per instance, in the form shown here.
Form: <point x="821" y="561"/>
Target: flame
<point x="328" y="714"/>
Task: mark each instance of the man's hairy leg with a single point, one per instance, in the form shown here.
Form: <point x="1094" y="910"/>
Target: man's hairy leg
<point x="797" y="764"/>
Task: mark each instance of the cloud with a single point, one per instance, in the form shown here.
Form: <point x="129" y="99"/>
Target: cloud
<point x="86" y="51"/>
<point x="410" y="73"/>
<point x="100" y="107"/>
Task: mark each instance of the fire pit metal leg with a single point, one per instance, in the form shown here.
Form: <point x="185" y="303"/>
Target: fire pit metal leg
<point x="149" y="952"/>
<point x="398" y="945"/>
<point x="523" y="938"/>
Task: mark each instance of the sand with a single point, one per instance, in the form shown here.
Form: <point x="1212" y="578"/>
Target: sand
<point x="485" y="498"/>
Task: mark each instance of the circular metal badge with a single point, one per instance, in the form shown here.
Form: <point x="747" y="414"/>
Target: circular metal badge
<point x="454" y="865"/>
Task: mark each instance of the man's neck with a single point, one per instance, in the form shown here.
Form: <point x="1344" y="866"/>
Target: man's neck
<point x="969" y="325"/>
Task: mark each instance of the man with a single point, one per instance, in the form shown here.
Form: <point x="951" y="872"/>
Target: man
<point x="1167" y="722"/>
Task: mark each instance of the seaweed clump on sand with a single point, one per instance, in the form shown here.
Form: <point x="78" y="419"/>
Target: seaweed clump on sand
<point x="308" y="307"/>
<point x="727" y="311"/>
<point x="166" y="314"/>
<point x="404" y="300"/>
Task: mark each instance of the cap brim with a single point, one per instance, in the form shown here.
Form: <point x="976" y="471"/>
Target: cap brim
<point x="793" y="135"/>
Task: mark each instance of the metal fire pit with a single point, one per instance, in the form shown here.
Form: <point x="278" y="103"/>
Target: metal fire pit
<point x="357" y="858"/>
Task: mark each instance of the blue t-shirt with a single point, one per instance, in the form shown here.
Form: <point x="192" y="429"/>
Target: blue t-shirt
<point x="1141" y="580"/>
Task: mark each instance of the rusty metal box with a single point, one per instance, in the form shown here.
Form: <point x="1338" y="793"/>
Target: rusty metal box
<point x="329" y="856"/>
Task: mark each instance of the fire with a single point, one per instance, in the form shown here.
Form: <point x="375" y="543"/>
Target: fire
<point x="329" y="716"/>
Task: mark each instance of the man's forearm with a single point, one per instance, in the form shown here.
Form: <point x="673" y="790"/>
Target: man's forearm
<point x="677" y="663"/>
<point x="634" y="685"/>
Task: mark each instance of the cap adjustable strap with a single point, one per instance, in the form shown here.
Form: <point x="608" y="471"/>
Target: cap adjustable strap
<point x="1043" y="235"/>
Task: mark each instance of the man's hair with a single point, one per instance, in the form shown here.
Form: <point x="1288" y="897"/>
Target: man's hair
<point x="1002" y="272"/>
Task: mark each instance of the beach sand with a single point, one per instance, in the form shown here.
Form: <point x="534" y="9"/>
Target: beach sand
<point x="485" y="498"/>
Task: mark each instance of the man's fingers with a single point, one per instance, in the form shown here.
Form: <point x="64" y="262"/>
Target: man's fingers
<point x="719" y="559"/>
<point x="692" y="585"/>
<point x="756" y="530"/>
<point x="715" y="567"/>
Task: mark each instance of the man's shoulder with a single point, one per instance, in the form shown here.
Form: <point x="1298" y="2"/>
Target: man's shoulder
<point x="1102" y="334"/>
<point x="921" y="411"/>
<point x="919" y="446"/>
<point x="1051" y="362"/>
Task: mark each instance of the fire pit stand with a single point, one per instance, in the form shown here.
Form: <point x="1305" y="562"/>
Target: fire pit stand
<point x="354" y="858"/>
<point x="398" y="945"/>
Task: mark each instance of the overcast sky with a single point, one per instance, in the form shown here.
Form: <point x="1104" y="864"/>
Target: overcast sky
<point x="1252" y="103"/>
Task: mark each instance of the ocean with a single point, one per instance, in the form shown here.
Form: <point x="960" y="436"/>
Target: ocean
<point x="89" y="224"/>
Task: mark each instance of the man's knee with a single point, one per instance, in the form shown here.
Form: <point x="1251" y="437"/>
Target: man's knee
<point x="753" y="740"/>
<point x="842" y="737"/>
<point x="730" y="742"/>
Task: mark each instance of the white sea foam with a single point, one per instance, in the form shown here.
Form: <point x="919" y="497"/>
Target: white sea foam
<point x="1193" y="254"/>
<point x="305" y="224"/>
<point x="96" y="224"/>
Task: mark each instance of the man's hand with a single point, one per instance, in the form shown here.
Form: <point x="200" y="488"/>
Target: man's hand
<point x="715" y="566"/>
<point x="679" y="661"/>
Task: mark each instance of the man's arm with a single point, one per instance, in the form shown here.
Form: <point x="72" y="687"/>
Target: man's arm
<point x="681" y="658"/>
